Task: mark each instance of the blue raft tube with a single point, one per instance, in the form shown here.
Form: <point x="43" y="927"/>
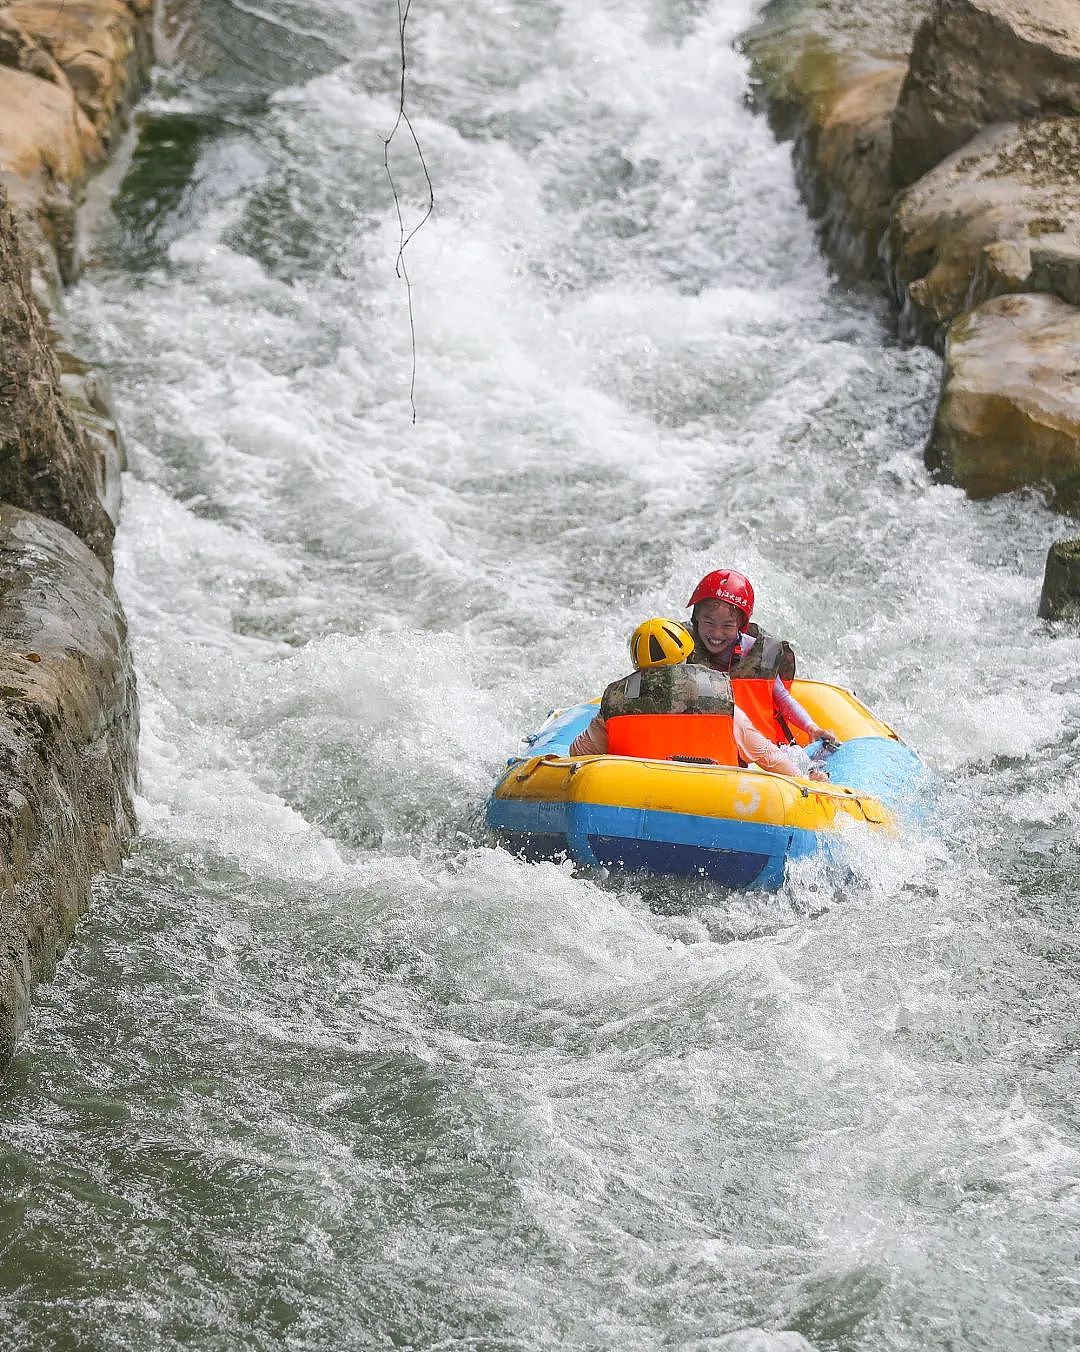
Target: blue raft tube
<point x="738" y="826"/>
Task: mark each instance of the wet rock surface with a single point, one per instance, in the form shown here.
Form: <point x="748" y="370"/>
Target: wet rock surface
<point x="1009" y="415"/>
<point x="102" y="47"/>
<point x="967" y="231"/>
<point x="46" y="462"/>
<point x="829" y="76"/>
<point x="68" y="76"/>
<point x="1060" y="598"/>
<point x="46" y="149"/>
<point x="67" y="746"/>
<point x="68" y="736"/>
<point x="973" y="104"/>
<point x="978" y="62"/>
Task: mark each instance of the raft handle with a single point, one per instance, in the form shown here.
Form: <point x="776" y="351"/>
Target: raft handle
<point x="694" y="760"/>
<point x="532" y="766"/>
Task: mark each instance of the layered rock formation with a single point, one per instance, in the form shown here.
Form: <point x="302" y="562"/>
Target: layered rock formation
<point x="68" y="74"/>
<point x="829" y="78"/>
<point x="46" y="464"/>
<point x="938" y="143"/>
<point x="67" y="746"/>
<point x="977" y="62"/>
<point x="966" y="232"/>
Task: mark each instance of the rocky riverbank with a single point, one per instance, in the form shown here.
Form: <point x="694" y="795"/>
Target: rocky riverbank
<point x="938" y="144"/>
<point x="69" y="75"/>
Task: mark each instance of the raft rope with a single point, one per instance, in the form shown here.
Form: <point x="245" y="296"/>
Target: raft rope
<point x="404" y="236"/>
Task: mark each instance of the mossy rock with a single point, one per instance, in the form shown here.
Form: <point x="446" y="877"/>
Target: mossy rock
<point x="831" y="86"/>
<point x="1060" y="598"/>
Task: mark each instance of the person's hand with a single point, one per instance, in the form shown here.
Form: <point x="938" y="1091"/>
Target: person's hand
<point x="828" y="740"/>
<point x="819" y="774"/>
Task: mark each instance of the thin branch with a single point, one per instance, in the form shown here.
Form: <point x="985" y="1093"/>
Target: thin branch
<point x="404" y="235"/>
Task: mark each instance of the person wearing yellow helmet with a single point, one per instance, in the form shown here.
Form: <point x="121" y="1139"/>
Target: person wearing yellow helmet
<point x="660" y="643"/>
<point x="653" y="690"/>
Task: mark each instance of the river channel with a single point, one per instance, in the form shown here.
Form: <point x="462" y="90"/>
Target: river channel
<point x="324" y="1069"/>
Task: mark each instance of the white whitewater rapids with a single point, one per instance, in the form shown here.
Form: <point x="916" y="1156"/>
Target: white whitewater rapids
<point x="325" y="1068"/>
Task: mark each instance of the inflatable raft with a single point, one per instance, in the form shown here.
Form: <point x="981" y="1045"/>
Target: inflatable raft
<point x="738" y="826"/>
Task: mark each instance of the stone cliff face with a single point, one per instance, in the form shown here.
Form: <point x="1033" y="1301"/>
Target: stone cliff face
<point x="829" y="76"/>
<point x="68" y="75"/>
<point x="69" y="724"/>
<point x="939" y="147"/>
<point x="977" y="62"/>
<point x="46" y="464"/>
<point x="971" y="228"/>
<point x="68" y="730"/>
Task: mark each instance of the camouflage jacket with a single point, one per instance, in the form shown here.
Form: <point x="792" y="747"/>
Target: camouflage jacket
<point x="681" y="689"/>
<point x="762" y="659"/>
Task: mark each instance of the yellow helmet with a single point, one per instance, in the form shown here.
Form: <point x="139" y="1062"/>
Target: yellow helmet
<point x="660" y="643"/>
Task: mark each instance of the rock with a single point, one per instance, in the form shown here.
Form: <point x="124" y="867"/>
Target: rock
<point x="1055" y="267"/>
<point x="68" y="735"/>
<point x="46" y="465"/>
<point x="68" y="730"/>
<point x="88" y="399"/>
<point x="842" y="158"/>
<point x="977" y="62"/>
<point x="46" y="148"/>
<point x="828" y="77"/>
<point x="965" y="232"/>
<point x="1009" y="414"/>
<point x="1060" y="598"/>
<point x="20" y="51"/>
<point x="102" y="46"/>
<point x="68" y="76"/>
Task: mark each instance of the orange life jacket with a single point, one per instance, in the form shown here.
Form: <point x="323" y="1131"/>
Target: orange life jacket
<point x="663" y="712"/>
<point x="756" y="698"/>
<point x="752" y="680"/>
<point x="709" y="737"/>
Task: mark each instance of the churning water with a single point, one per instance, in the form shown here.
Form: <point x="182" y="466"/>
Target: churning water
<point x="324" y="1069"/>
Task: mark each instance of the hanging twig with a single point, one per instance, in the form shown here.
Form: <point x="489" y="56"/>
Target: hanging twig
<point x="405" y="236"/>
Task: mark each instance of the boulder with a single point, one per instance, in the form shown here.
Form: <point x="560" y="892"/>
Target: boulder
<point x="828" y="77"/>
<point x="21" y="51"/>
<point x="102" y="47"/>
<point x="68" y="735"/>
<point x="47" y="147"/>
<point x="977" y="62"/>
<point x="842" y="153"/>
<point x="1009" y="415"/>
<point x="966" y="232"/>
<point x="46" y="465"/>
<point x="1060" y="598"/>
<point x="1055" y="266"/>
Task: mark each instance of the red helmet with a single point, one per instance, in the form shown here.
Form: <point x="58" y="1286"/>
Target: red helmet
<point x="726" y="585"/>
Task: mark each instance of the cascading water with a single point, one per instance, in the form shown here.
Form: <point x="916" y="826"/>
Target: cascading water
<point x="324" y="1070"/>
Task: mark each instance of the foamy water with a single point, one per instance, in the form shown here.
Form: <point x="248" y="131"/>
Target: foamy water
<point x="326" y="1069"/>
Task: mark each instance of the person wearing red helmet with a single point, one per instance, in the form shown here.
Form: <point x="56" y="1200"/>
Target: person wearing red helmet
<point x="646" y="716"/>
<point x="761" y="667"/>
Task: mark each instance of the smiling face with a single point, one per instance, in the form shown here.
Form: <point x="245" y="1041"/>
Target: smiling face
<point x="718" y="625"/>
